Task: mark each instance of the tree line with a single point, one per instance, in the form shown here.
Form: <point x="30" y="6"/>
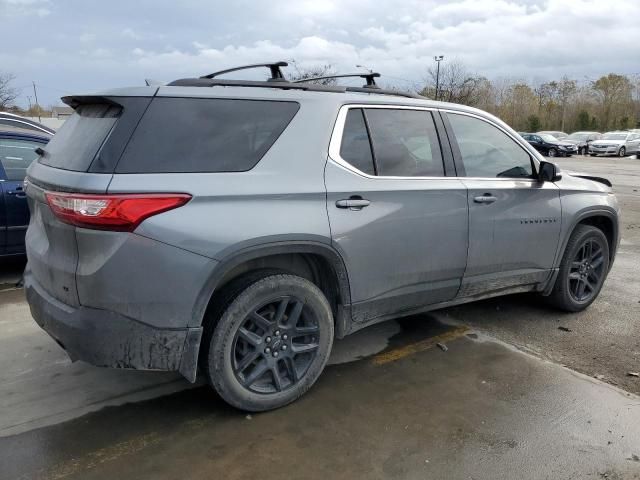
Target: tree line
<point x="608" y="103"/>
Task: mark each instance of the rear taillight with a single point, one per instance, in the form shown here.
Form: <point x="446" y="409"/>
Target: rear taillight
<point x="112" y="212"/>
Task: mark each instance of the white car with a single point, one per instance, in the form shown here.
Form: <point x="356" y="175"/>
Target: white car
<point x="621" y="143"/>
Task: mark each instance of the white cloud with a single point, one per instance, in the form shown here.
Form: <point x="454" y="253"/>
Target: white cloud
<point x="519" y="38"/>
<point x="130" y="33"/>
<point x="25" y="7"/>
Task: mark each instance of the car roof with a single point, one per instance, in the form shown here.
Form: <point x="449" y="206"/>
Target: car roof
<point x="13" y="132"/>
<point x="28" y="121"/>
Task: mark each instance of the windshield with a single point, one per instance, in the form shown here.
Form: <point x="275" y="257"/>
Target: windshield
<point x="548" y="138"/>
<point x="578" y="136"/>
<point x="614" y="136"/>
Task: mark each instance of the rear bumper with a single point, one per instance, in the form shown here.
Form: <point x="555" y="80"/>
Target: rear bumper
<point x="108" y="339"/>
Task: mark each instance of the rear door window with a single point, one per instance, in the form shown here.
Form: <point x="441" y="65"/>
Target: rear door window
<point x="16" y="156"/>
<point x="405" y="143"/>
<point x="355" y="147"/>
<point x="186" y="135"/>
<point x="75" y="145"/>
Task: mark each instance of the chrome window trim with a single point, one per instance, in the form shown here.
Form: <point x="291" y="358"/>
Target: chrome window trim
<point x="338" y="129"/>
<point x="34" y="127"/>
<point x="519" y="141"/>
<point x="336" y="141"/>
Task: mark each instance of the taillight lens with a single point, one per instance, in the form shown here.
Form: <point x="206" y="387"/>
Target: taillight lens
<point x="112" y="212"/>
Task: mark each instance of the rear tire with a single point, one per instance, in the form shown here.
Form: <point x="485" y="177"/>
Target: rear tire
<point x="583" y="269"/>
<point x="552" y="153"/>
<point x="271" y="342"/>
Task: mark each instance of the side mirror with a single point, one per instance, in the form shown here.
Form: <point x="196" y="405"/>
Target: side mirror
<point x="549" y="172"/>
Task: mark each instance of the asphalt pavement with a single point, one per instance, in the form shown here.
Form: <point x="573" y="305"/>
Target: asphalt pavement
<point x="513" y="396"/>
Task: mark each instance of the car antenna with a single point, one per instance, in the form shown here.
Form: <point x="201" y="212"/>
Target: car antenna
<point x="370" y="78"/>
<point x="276" y="73"/>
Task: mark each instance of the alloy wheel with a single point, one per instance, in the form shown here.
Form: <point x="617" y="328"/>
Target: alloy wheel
<point x="552" y="152"/>
<point x="587" y="271"/>
<point x="275" y="345"/>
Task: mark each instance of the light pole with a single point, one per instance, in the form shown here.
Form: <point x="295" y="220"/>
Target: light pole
<point x="438" y="59"/>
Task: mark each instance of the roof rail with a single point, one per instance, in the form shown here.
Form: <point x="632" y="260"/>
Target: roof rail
<point x="371" y="83"/>
<point x="276" y="73"/>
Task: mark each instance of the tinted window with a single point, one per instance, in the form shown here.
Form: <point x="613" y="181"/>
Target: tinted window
<point x="405" y="143"/>
<point x="355" y="147"/>
<point x="487" y="151"/>
<point x="16" y="156"/>
<point x="74" y="146"/>
<point x="204" y="135"/>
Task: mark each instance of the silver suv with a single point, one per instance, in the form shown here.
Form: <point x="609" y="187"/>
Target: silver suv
<point x="237" y="227"/>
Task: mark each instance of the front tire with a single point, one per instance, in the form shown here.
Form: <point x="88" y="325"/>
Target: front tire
<point x="583" y="269"/>
<point x="271" y="343"/>
<point x="622" y="152"/>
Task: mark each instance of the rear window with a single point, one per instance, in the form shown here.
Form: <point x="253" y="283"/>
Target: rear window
<point x="205" y="135"/>
<point x="75" y="145"/>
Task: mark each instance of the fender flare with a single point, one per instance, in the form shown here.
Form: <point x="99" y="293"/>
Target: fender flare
<point x="262" y="250"/>
<point x="610" y="213"/>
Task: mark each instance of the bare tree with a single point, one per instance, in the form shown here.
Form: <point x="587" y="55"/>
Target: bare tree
<point x="566" y="89"/>
<point x="7" y="93"/>
<point x="303" y="73"/>
<point x="456" y="84"/>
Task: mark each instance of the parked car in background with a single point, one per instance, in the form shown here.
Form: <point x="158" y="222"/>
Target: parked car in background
<point x="620" y="143"/>
<point x="16" y="121"/>
<point x="557" y="134"/>
<point x="549" y="145"/>
<point x="582" y="140"/>
<point x="240" y="229"/>
<point x="17" y="151"/>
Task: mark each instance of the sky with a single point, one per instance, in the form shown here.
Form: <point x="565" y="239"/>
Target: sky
<point x="80" y="46"/>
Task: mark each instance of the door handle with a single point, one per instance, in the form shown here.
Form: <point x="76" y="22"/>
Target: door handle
<point x="486" y="198"/>
<point x="18" y="192"/>
<point x="353" y="203"/>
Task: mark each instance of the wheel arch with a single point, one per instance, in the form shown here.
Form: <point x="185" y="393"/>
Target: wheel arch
<point x="606" y="219"/>
<point x="318" y="262"/>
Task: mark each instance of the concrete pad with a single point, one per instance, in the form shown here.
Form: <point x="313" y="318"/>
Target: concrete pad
<point x="479" y="410"/>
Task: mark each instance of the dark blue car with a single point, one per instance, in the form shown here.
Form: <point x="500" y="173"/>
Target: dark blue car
<point x="17" y="151"/>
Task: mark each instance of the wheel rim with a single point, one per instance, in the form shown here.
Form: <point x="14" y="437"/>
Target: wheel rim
<point x="622" y="152"/>
<point x="275" y="345"/>
<point x="587" y="270"/>
<point x="552" y="153"/>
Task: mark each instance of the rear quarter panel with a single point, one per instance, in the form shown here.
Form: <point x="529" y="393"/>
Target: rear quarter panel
<point x="282" y="198"/>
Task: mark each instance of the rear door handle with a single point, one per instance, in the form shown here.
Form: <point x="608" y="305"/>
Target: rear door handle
<point x="18" y="192"/>
<point x="355" y="203"/>
<point x="486" y="198"/>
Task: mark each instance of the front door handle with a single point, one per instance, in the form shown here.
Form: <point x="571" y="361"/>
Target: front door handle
<point x="486" y="198"/>
<point x="354" y="203"/>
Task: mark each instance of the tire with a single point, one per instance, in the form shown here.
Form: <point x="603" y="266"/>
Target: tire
<point x="585" y="262"/>
<point x="552" y="152"/>
<point x="622" y="152"/>
<point x="290" y="354"/>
